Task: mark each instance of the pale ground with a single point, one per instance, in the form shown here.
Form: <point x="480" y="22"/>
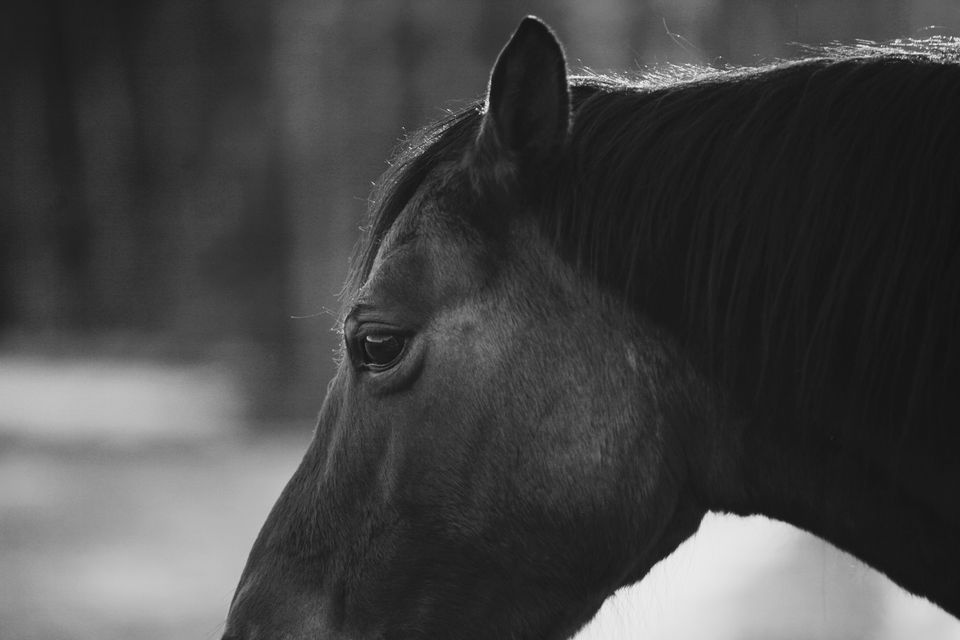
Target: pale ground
<point x="128" y="504"/>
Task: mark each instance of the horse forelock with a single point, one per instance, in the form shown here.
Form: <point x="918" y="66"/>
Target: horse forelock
<point x="800" y="219"/>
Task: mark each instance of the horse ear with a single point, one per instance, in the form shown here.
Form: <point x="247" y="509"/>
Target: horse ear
<point x="528" y="101"/>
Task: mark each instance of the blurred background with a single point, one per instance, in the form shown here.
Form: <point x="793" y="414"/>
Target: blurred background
<point x="182" y="184"/>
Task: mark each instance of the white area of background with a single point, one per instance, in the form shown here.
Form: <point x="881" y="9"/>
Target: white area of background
<point x="115" y="400"/>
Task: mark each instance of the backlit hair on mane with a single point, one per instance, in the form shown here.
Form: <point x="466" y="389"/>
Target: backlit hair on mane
<point x="800" y="219"/>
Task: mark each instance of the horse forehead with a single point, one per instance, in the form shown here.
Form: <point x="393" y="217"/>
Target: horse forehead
<point x="419" y="219"/>
<point x="426" y="248"/>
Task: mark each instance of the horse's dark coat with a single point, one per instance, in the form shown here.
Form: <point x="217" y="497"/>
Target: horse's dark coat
<point x="769" y="260"/>
<point x="792" y="211"/>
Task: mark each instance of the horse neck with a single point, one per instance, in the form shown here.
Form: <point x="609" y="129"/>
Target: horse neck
<point x="854" y="449"/>
<point x="887" y="512"/>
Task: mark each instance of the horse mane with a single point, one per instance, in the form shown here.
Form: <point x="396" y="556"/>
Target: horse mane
<point x="800" y="220"/>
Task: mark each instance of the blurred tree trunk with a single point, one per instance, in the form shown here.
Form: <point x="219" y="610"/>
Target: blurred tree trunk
<point x="46" y="269"/>
<point x="30" y="272"/>
<point x="336" y="104"/>
<point x="71" y="221"/>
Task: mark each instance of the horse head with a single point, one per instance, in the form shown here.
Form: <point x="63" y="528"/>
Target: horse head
<point x="494" y="456"/>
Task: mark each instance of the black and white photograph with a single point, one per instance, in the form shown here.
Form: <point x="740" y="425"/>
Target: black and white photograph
<point x="480" y="320"/>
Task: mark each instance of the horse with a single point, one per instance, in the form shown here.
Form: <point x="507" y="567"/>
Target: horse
<point x="586" y="311"/>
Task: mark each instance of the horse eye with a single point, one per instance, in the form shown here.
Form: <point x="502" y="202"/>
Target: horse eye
<point x="381" y="350"/>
